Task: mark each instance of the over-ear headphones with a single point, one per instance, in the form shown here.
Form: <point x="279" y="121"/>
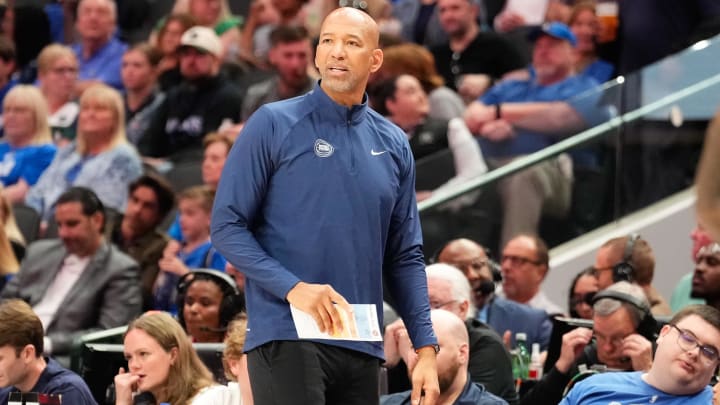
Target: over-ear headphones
<point x="624" y="271"/>
<point x="648" y="326"/>
<point x="233" y="301"/>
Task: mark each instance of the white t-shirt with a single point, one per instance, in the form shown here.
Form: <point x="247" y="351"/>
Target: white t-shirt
<point x="217" y="395"/>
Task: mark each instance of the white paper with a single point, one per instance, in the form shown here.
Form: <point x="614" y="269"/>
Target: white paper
<point x="363" y="325"/>
<point x="533" y="11"/>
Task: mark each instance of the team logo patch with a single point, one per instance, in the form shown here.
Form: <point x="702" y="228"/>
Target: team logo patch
<point x="323" y="148"/>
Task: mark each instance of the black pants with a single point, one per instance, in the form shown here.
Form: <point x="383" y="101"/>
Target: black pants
<point x="302" y="372"/>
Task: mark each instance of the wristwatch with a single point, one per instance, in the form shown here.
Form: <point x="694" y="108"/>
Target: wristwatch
<point x="435" y="346"/>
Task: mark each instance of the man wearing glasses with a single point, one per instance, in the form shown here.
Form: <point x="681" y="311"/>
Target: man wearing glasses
<point x="706" y="279"/>
<point x="525" y="263"/>
<point x="685" y="361"/>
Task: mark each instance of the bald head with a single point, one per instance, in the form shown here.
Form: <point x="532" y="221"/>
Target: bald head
<point x="351" y="15"/>
<point x="448" y="327"/>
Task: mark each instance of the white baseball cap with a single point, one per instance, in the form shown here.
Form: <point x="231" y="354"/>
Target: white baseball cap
<point x="202" y="38"/>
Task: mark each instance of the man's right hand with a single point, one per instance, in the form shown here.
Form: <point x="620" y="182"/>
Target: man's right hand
<point x="573" y="344"/>
<point x="321" y="301"/>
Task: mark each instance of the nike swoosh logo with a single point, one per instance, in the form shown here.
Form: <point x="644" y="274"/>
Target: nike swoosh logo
<point x="372" y="152"/>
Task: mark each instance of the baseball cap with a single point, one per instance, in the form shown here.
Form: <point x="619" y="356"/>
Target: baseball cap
<point x="555" y="30"/>
<point x="202" y="38"/>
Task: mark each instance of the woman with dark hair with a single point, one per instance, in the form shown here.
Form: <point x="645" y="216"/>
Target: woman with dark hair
<point x="582" y="288"/>
<point x="168" y="42"/>
<point x="163" y="363"/>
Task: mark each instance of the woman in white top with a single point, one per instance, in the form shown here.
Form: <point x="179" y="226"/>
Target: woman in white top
<point x="162" y="361"/>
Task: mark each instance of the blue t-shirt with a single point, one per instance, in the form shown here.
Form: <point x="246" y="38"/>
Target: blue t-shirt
<point x="627" y="388"/>
<point x="27" y="162"/>
<point x="104" y="65"/>
<point x="599" y="70"/>
<point x="57" y="380"/>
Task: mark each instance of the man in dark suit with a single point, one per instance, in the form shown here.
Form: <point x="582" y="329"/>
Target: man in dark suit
<point x="77" y="283"/>
<point x="501" y="314"/>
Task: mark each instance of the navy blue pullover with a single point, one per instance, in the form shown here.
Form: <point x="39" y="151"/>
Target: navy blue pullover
<point x="317" y="192"/>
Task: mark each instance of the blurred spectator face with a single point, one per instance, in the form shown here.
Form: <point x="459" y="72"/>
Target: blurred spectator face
<point x="169" y="40"/>
<point x="81" y="234"/>
<point x="440" y="295"/>
<point x="137" y="72"/>
<point x="141" y="213"/>
<point x="610" y="332"/>
<point x="409" y="105"/>
<point x="206" y="12"/>
<point x="194" y="220"/>
<point x="471" y="259"/>
<point x="456" y="16"/>
<point x="585" y="288"/>
<point x="95" y="20"/>
<point x="236" y="274"/>
<point x="291" y="62"/>
<point x="700" y="238"/>
<point x="13" y="368"/>
<point x="96" y="120"/>
<point x="146" y="358"/>
<point x="59" y="80"/>
<point x="605" y="260"/>
<point x="18" y="122"/>
<point x="706" y="279"/>
<point x="585" y="28"/>
<point x="196" y="64"/>
<point x="213" y="163"/>
<point x="287" y="7"/>
<point x="202" y="310"/>
<point x="552" y="58"/>
<point x="521" y="270"/>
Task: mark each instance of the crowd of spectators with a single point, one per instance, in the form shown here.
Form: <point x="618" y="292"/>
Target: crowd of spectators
<point x="105" y="107"/>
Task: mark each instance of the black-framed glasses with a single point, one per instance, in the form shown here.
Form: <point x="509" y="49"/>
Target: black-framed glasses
<point x="586" y="298"/>
<point x="518" y="260"/>
<point x="441" y="305"/>
<point x="688" y="342"/>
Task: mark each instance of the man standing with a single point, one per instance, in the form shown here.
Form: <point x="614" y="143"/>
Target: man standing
<point x="685" y="361"/>
<point x="328" y="155"/>
<point x="289" y="55"/>
<point x="525" y="263"/>
<point x="79" y="283"/>
<point x="22" y="366"/>
<point x="456" y="387"/>
<point x="98" y="51"/>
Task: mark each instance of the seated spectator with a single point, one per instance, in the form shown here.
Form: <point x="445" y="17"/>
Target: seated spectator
<point x="10" y="256"/>
<point x="200" y="104"/>
<point x="420" y="22"/>
<point x="623" y="328"/>
<point x="290" y="55"/>
<point x="630" y="258"/>
<point x="100" y="158"/>
<point x="216" y="15"/>
<point x="196" y="251"/>
<point x="57" y="77"/>
<point x="216" y="149"/>
<point x="150" y="199"/>
<point x="261" y="19"/>
<point x="545" y="187"/>
<point x="417" y="61"/>
<point x="679" y="373"/>
<point x="28" y="148"/>
<point x="7" y="67"/>
<point x="98" y="50"/>
<point x="142" y="97"/>
<point x="584" y="24"/>
<point x="583" y="288"/>
<point x="681" y="295"/>
<point x="489" y="362"/>
<point x="504" y="316"/>
<point x="10" y="226"/>
<point x="168" y="42"/>
<point x="235" y="361"/>
<point x="207" y="301"/>
<point x="176" y="376"/>
<point x="24" y="369"/>
<point x="705" y="281"/>
<point x="78" y="283"/>
<point x="471" y="59"/>
<point x="456" y="387"/>
<point x="525" y="264"/>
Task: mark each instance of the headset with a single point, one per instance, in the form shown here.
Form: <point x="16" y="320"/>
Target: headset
<point x="624" y="271"/>
<point x="233" y="301"/>
<point x="648" y="325"/>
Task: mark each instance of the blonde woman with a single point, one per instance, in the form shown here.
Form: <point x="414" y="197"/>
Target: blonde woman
<point x="100" y="158"/>
<point x="162" y="362"/>
<point x="12" y="243"/>
<point x="28" y="149"/>
<point x="235" y="361"/>
<point x="57" y="76"/>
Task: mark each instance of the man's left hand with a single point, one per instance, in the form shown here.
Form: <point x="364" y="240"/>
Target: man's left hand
<point x="424" y="378"/>
<point x="639" y="350"/>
